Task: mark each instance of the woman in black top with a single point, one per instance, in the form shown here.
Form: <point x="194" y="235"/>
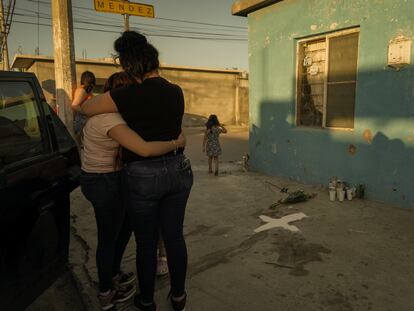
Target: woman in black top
<point x="158" y="187"/>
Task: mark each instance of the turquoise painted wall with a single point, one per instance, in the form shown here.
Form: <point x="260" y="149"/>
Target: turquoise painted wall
<point x="384" y="98"/>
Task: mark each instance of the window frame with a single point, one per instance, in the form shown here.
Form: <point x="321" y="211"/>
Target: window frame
<point x="43" y="126"/>
<point x="298" y="94"/>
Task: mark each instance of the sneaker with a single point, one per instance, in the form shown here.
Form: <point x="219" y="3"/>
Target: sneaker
<point x="143" y="307"/>
<point x="178" y="305"/>
<point x="106" y="301"/>
<point x="162" y="266"/>
<point x="124" y="294"/>
<point x="123" y="279"/>
<point x="114" y="296"/>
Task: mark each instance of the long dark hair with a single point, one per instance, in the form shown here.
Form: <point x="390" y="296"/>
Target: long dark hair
<point x="212" y="121"/>
<point x="116" y="80"/>
<point x="88" y="81"/>
<point x="136" y="56"/>
<point x="119" y="79"/>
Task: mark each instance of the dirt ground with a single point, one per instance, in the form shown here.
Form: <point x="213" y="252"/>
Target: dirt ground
<point x="346" y="256"/>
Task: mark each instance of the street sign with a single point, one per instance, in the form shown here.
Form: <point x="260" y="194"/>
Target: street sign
<point x="124" y="7"/>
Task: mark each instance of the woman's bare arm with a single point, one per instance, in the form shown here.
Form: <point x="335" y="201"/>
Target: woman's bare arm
<point x="223" y="129"/>
<point x="98" y="105"/>
<point x="130" y="140"/>
<point x="78" y="98"/>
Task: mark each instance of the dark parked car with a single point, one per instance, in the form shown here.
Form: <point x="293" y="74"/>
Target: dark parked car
<point x="39" y="167"/>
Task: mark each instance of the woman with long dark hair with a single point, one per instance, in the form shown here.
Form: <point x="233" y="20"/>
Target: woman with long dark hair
<point x="82" y="93"/>
<point x="157" y="188"/>
<point x="101" y="184"/>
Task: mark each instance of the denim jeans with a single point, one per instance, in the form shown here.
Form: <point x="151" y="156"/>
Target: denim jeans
<point x="158" y="190"/>
<point x="104" y="192"/>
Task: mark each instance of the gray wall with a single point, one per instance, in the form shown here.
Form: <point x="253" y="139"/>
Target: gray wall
<point x="206" y="92"/>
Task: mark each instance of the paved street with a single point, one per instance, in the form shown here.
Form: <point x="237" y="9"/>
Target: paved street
<point x="63" y="295"/>
<point x="322" y="93"/>
<point x="347" y="256"/>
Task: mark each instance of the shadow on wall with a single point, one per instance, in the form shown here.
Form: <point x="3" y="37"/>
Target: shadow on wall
<point x="49" y="86"/>
<point x="314" y="155"/>
<point x="49" y="89"/>
<point x="67" y="117"/>
<point x="193" y="120"/>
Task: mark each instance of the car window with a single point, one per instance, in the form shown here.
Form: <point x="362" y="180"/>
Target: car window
<point x="20" y="127"/>
<point x="63" y="139"/>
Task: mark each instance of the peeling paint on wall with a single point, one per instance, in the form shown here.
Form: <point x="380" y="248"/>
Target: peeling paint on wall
<point x="333" y="26"/>
<point x="274" y="148"/>
<point x="267" y="41"/>
<point x="352" y="149"/>
<point x="367" y="136"/>
<point x="384" y="113"/>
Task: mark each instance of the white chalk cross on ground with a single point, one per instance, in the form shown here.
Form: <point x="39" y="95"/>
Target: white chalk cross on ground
<point x="280" y="222"/>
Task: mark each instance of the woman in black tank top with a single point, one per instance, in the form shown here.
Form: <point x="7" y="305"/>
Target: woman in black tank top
<point x="157" y="188"/>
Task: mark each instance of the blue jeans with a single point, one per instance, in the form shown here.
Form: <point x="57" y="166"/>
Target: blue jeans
<point x="104" y="191"/>
<point x="157" y="194"/>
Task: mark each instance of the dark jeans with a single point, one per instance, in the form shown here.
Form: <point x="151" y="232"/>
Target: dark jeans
<point x="104" y="192"/>
<point x="157" y="195"/>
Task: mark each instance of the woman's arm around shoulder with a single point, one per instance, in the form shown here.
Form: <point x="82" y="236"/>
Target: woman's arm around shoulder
<point x="98" y="105"/>
<point x="223" y="129"/>
<point x="130" y="140"/>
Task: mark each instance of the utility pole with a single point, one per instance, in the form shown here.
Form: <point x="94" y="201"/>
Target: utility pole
<point x="126" y="19"/>
<point x="126" y="22"/>
<point x="64" y="54"/>
<point x="3" y="41"/>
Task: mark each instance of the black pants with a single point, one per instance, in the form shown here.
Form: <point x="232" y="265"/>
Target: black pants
<point x="104" y="192"/>
<point x="157" y="195"/>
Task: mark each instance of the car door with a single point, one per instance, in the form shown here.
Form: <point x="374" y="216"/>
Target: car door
<point x="35" y="183"/>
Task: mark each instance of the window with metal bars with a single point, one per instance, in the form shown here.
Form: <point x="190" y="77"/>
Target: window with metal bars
<point x="326" y="80"/>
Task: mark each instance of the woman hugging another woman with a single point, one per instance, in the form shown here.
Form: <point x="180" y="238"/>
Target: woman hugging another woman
<point x="101" y="183"/>
<point x="157" y="188"/>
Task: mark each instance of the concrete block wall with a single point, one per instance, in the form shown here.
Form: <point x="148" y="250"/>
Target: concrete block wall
<point x="206" y="91"/>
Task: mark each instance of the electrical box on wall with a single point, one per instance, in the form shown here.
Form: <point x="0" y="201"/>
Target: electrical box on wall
<point x="399" y="52"/>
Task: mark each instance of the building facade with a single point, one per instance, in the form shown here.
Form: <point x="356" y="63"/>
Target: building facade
<point x="206" y="90"/>
<point x="332" y="92"/>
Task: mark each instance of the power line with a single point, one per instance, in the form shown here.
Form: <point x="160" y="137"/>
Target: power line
<point x="149" y="34"/>
<point x="160" y="18"/>
<point x="119" y="26"/>
<point x="172" y="28"/>
<point x="6" y="21"/>
<point x="9" y="16"/>
<point x="106" y="18"/>
<point x="161" y="27"/>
